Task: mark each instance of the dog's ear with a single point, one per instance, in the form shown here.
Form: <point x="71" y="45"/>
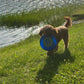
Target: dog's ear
<point x="41" y="31"/>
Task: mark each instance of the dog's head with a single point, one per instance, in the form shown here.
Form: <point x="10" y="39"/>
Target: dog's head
<point x="47" y="30"/>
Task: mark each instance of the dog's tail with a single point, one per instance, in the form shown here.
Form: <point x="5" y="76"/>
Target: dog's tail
<point x="68" y="22"/>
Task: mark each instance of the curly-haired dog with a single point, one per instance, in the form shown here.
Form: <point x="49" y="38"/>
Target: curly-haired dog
<point x="60" y="32"/>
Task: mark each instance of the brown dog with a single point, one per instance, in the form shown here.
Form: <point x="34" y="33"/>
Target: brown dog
<point x="60" y="32"/>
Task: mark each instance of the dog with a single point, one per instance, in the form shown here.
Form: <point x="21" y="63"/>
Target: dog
<point x="60" y="32"/>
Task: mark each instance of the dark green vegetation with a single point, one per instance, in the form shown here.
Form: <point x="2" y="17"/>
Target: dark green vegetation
<point x="26" y="63"/>
<point x="79" y="13"/>
<point x="54" y="16"/>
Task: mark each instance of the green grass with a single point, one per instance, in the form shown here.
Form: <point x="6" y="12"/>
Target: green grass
<point x="53" y="16"/>
<point x="26" y="63"/>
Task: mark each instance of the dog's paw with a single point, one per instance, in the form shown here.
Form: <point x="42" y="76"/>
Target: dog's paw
<point x="49" y="53"/>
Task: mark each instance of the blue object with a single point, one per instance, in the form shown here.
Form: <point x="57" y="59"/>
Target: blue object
<point x="48" y="42"/>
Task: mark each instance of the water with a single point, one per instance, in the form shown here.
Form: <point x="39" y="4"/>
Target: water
<point x="13" y="35"/>
<point x="12" y="6"/>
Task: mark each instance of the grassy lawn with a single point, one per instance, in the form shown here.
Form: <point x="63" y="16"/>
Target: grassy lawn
<point x="26" y="63"/>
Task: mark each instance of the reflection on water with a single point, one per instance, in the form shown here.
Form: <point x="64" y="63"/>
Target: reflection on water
<point x="11" y="36"/>
<point x="12" y="6"/>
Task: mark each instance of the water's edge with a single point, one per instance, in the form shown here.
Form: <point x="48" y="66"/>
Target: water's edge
<point x="11" y="36"/>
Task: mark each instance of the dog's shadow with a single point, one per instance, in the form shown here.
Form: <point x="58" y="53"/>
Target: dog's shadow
<point x="51" y="67"/>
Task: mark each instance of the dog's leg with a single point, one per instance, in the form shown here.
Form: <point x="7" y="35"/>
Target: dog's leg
<point x="56" y="48"/>
<point x="52" y="51"/>
<point x="66" y="40"/>
<point x="49" y="53"/>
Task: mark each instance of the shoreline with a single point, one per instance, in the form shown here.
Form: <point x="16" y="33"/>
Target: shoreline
<point x="12" y="36"/>
<point x="77" y="21"/>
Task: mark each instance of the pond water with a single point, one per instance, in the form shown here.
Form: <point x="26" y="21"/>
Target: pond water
<point x="13" y="35"/>
<point x="12" y="6"/>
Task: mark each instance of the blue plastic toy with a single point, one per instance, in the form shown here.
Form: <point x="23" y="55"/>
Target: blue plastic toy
<point x="48" y="42"/>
